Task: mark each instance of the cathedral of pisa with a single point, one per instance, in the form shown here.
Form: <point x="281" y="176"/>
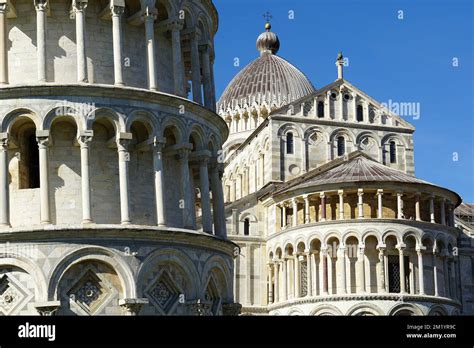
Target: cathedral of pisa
<point x="127" y="188"/>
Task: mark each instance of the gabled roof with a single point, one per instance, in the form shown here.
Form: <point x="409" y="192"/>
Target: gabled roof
<point x="357" y="167"/>
<point x="335" y="84"/>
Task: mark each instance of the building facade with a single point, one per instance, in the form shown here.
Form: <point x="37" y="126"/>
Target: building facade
<point x="322" y="199"/>
<point x="108" y="160"/>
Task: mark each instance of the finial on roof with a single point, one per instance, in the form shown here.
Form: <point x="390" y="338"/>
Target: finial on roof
<point x="340" y="66"/>
<point x="268" y="42"/>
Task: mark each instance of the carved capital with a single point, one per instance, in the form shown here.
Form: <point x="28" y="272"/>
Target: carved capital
<point x="84" y="139"/>
<point x="149" y="13"/>
<point x="175" y="24"/>
<point x="4" y="144"/>
<point x="48" y="309"/>
<point x="43" y="142"/>
<point x="41" y="5"/>
<point x="231" y="309"/>
<point x="132" y="306"/>
<point x="79" y="5"/>
<point x="183" y="154"/>
<point x="200" y="308"/>
<point x="116" y="10"/>
<point x="122" y="145"/>
<point x="3" y="7"/>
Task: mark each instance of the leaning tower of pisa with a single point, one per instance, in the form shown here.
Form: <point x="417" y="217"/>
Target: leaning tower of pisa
<point x="110" y="190"/>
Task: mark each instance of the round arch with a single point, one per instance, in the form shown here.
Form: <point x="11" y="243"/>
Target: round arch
<point x="288" y="127"/>
<point x="11" y="117"/>
<point x="109" y="114"/>
<point x="364" y="308"/>
<point x="174" y="257"/>
<point x="27" y="265"/>
<point x="405" y="309"/>
<point x="326" y="309"/>
<point x="64" y="111"/>
<point x="218" y="262"/>
<point x="81" y="254"/>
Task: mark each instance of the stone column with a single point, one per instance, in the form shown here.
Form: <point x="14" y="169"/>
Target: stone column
<point x="341" y="104"/>
<point x="261" y="169"/>
<point x="432" y="214"/>
<point x="322" y="195"/>
<point x="420" y="271"/>
<point x="316" y="266"/>
<point x="218" y="203"/>
<point x="341" y="204"/>
<point x="186" y="189"/>
<point x="381" y="275"/>
<point x="196" y="68"/>
<point x="283" y="221"/>
<point x="446" y="274"/>
<point x="84" y="141"/>
<point x="354" y="106"/>
<point x="206" y="70"/>
<point x="149" y="16"/>
<point x="342" y="268"/>
<point x="3" y="43"/>
<point x="399" y="205"/>
<point x="238" y="191"/>
<point x="401" y="254"/>
<point x="159" y="181"/>
<point x="277" y="282"/>
<point x="360" y="204"/>
<point x="43" y="142"/>
<point x="296" y="279"/>
<point x="205" y="195"/>
<point x="294" y="204"/>
<point x="79" y="10"/>
<point x="41" y="8"/>
<point x="360" y="273"/>
<point x="178" y="72"/>
<point x="284" y="294"/>
<point x="309" y="266"/>
<point x="327" y="106"/>
<point x="4" y="182"/>
<point x="379" y="204"/>
<point x="124" y="158"/>
<point x="417" y="207"/>
<point x="324" y="254"/>
<point x="366" y="112"/>
<point x="435" y="272"/>
<point x="452" y="279"/>
<point x="442" y="209"/>
<point x="307" y="216"/>
<point x="117" y="11"/>
<point x="270" y="284"/>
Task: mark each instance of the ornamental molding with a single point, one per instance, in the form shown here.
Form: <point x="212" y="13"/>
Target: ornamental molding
<point x="401" y="298"/>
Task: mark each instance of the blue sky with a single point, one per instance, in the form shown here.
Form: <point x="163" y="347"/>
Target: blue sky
<point x="407" y="60"/>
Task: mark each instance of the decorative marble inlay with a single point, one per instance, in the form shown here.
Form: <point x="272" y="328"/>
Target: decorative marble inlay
<point x="89" y="292"/>
<point x="163" y="293"/>
<point x="12" y="296"/>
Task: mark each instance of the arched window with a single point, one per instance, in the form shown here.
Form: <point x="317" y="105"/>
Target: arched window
<point x="341" y="146"/>
<point x="360" y="113"/>
<point x="289" y="143"/>
<point x="320" y="109"/>
<point x="247" y="227"/>
<point x="393" y="152"/>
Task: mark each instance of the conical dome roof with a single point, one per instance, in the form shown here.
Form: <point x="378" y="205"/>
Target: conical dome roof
<point x="267" y="80"/>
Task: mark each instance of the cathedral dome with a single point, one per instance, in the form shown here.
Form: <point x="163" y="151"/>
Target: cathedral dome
<point x="269" y="79"/>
